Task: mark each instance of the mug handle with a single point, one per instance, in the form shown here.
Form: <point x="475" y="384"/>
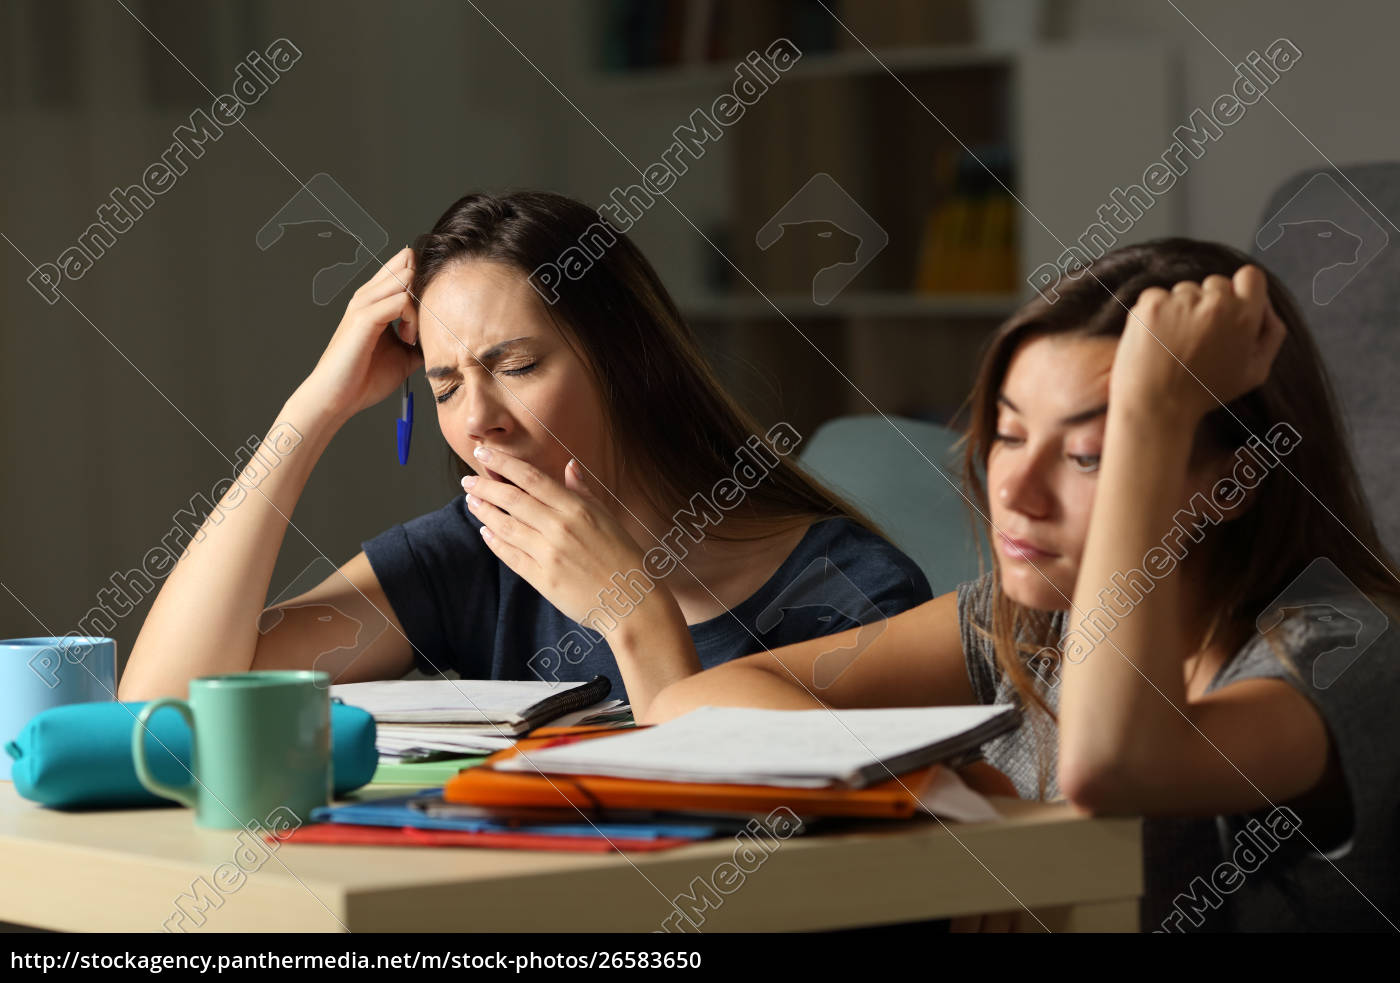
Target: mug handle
<point x="180" y="793"/>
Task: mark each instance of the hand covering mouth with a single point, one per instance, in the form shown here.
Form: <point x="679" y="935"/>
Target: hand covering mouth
<point x="494" y="476"/>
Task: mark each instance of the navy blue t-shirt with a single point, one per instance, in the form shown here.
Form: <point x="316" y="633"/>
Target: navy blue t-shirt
<point x="465" y="610"/>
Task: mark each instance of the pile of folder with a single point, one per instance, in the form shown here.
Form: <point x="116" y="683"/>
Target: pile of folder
<point x="712" y="772"/>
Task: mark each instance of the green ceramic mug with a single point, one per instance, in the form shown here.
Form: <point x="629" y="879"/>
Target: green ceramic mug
<point x="260" y="747"/>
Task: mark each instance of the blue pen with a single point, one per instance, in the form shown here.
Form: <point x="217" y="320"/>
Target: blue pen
<point x="403" y="426"/>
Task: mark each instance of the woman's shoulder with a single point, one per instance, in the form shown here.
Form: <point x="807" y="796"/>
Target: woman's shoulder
<point x="1322" y="640"/>
<point x="975" y="599"/>
<point x="447" y="535"/>
<point x="842" y="534"/>
<point x="451" y="517"/>
<point x="862" y="555"/>
<point x="1341" y="651"/>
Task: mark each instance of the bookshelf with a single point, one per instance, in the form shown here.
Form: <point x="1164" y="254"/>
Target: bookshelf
<point x="904" y="130"/>
<point x="851" y="303"/>
<point x="825" y="64"/>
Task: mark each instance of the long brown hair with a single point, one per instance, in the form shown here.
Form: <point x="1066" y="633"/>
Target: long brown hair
<point x="1319" y="510"/>
<point x="673" y="424"/>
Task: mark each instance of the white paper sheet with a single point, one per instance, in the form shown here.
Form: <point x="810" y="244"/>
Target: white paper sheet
<point x="786" y="748"/>
<point x="394" y="737"/>
<point x="947" y="796"/>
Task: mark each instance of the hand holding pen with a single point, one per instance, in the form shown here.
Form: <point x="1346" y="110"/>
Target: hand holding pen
<point x="364" y="361"/>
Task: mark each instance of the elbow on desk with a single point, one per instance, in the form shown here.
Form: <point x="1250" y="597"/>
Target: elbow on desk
<point x="128" y="689"/>
<point x="1101" y="786"/>
<point x="131" y="692"/>
<point x="659" y="710"/>
<point x="137" y="689"/>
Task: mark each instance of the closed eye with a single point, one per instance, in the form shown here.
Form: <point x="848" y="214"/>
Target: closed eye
<point x="523" y="370"/>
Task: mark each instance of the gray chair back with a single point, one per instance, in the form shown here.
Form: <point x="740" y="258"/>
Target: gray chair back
<point x="1327" y="236"/>
<point x="872" y="463"/>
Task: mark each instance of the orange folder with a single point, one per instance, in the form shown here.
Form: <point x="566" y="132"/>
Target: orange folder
<point x="483" y="786"/>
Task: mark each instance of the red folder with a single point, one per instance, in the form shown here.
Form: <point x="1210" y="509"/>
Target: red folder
<point x="347" y="834"/>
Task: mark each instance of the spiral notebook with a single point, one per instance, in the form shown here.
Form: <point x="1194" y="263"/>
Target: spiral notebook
<point x="499" y="707"/>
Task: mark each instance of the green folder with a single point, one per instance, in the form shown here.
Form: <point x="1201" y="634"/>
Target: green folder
<point x="421" y="773"/>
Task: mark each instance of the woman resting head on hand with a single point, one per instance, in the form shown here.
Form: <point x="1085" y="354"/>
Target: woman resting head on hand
<point x="1188" y="598"/>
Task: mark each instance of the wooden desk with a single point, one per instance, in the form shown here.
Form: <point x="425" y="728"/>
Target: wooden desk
<point x="123" y="870"/>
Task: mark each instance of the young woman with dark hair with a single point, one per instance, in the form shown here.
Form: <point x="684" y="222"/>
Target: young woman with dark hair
<point x="613" y="475"/>
<point x="1189" y="598"/>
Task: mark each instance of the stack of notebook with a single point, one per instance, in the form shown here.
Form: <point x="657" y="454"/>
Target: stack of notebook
<point x="428" y="730"/>
<point x="424" y="718"/>
<point x="712" y="772"/>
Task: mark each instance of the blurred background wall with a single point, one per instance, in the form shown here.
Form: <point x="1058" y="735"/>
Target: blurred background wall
<point x="130" y="395"/>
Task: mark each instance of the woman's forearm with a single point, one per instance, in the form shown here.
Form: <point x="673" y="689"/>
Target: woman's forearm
<point x="653" y="648"/>
<point x="1122" y="682"/>
<point x="205" y="619"/>
<point x="731" y="685"/>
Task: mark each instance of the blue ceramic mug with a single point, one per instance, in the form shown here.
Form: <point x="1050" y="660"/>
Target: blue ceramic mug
<point x="39" y="673"/>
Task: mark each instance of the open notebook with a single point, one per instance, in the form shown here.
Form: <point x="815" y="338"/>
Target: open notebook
<point x="787" y="748"/>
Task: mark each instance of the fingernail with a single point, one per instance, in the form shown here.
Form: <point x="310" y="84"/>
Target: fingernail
<point x="473" y="501"/>
<point x="482" y="454"/>
<point x="468" y="481"/>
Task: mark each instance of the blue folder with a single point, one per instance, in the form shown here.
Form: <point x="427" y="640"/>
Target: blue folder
<point x="397" y="811"/>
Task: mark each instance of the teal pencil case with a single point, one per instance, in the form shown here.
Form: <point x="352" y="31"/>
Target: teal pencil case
<point x="79" y="755"/>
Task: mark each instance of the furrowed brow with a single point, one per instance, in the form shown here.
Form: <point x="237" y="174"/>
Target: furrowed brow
<point x="488" y="357"/>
